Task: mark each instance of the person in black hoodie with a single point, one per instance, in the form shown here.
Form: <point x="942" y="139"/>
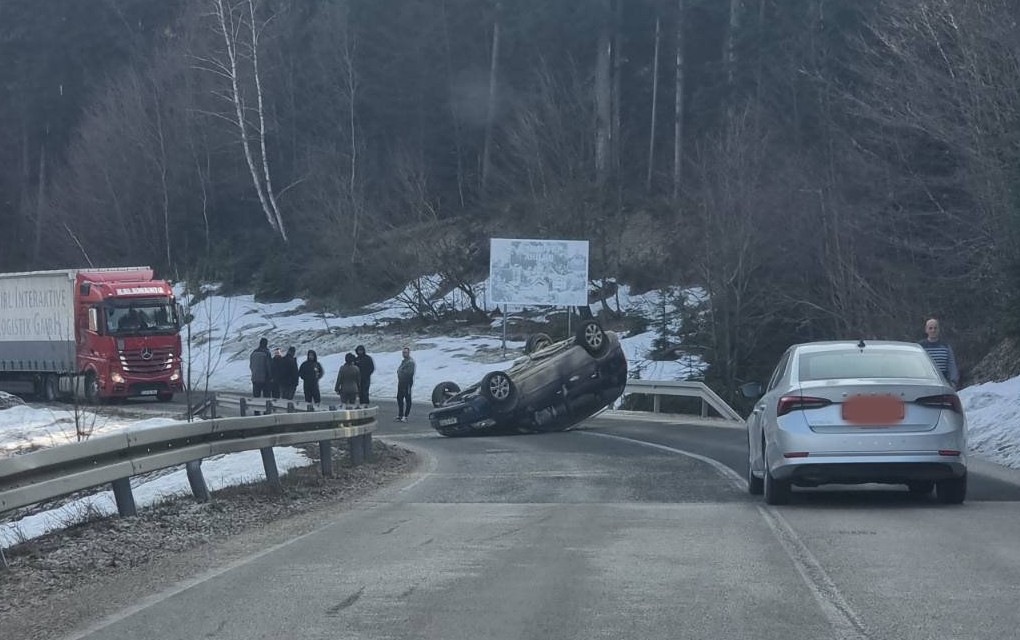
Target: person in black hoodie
<point x="310" y="372"/>
<point x="289" y="382"/>
<point x="366" y="366"/>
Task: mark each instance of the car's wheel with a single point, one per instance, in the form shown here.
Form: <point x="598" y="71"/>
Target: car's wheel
<point x="776" y="491"/>
<point x="755" y="485"/>
<point x="952" y="490"/>
<point x="498" y="388"/>
<point x="443" y="392"/>
<point x="91" y="388"/>
<point x="537" y="342"/>
<point x="592" y="338"/>
<point x="921" y="487"/>
<point x="164" y="397"/>
<point x="48" y="388"/>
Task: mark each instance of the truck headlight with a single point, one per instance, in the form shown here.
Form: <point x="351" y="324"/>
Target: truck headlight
<point x="117" y="378"/>
<point x="175" y="376"/>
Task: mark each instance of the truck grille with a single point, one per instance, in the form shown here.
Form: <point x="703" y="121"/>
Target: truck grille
<point x="146" y="361"/>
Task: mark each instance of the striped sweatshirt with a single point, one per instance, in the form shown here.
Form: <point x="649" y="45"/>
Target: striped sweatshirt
<point x="942" y="355"/>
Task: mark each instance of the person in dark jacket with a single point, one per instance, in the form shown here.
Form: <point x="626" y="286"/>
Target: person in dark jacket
<point x="290" y="379"/>
<point x="940" y="353"/>
<point x="405" y="380"/>
<point x="310" y="373"/>
<point x="260" y="364"/>
<point x="348" y="380"/>
<point x="366" y="365"/>
<point x="276" y="384"/>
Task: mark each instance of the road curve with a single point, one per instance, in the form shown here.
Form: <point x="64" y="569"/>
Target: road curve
<point x="625" y="529"/>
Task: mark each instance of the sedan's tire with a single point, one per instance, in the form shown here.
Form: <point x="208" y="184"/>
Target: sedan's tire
<point x="498" y="388"/>
<point x="921" y="487"/>
<point x="952" y="490"/>
<point x="444" y="391"/>
<point x="755" y="485"/>
<point x="592" y="338"/>
<point x="776" y="491"/>
<point x="536" y="342"/>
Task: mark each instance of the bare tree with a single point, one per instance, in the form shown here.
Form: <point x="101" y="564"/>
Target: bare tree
<point x="241" y="30"/>
<point x="655" y="103"/>
<point x="604" y="94"/>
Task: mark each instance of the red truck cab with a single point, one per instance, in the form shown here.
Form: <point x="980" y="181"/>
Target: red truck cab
<point x="127" y="335"/>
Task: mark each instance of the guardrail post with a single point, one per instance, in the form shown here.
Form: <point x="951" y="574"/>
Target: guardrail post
<point x="368" y="447"/>
<point x="704" y="408"/>
<point x="290" y="407"/>
<point x="332" y="407"/>
<point x="242" y="405"/>
<point x="657" y="403"/>
<point x="269" y="464"/>
<point x="212" y="407"/>
<point x="269" y="407"/>
<point x="310" y="407"/>
<point x="197" y="481"/>
<point x="326" y="458"/>
<point x="355" y="446"/>
<point x="125" y="499"/>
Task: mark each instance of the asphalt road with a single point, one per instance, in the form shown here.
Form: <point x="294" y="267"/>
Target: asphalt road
<point x="626" y="529"/>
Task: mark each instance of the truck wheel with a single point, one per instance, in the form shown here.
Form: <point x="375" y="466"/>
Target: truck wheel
<point x="91" y="388"/>
<point x="164" y="397"/>
<point x="47" y="389"/>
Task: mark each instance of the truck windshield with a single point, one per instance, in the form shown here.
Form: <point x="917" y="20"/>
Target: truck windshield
<point x="140" y="317"/>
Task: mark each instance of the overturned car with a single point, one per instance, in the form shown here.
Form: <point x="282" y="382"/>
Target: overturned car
<point x="552" y="388"/>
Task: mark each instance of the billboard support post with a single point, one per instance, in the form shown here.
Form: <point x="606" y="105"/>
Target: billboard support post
<point x="504" y="331"/>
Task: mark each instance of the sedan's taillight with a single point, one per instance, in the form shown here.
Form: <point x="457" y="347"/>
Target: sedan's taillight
<point x="796" y="403"/>
<point x="949" y="401"/>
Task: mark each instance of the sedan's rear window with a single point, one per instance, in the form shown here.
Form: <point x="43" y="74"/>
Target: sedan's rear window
<point x="869" y="363"/>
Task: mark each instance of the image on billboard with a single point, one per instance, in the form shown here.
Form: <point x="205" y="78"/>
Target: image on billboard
<point x="538" y="272"/>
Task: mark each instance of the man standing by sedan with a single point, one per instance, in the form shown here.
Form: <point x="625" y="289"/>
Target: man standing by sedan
<point x="940" y="353"/>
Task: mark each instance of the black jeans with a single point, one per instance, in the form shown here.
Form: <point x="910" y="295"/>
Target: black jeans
<point x="363" y="391"/>
<point x="260" y="389"/>
<point x="404" y="398"/>
<point x="288" y="392"/>
<point x="312" y="393"/>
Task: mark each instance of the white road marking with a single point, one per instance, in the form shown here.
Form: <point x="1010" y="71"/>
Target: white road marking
<point x="837" y="610"/>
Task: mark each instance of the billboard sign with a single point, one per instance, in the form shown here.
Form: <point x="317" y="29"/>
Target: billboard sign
<point x="538" y="272"/>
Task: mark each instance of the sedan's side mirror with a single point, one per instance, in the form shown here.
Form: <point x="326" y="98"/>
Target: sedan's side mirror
<point x="751" y="390"/>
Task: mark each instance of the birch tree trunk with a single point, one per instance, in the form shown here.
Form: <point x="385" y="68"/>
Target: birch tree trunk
<point x="229" y="25"/>
<point x="655" y="103"/>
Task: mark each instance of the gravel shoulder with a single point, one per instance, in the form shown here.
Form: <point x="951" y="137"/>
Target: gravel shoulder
<point x="67" y="579"/>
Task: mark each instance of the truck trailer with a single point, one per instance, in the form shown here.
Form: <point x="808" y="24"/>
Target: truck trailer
<point x="95" y="334"/>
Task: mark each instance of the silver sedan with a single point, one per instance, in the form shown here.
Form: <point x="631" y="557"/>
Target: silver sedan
<point x="853" y="413"/>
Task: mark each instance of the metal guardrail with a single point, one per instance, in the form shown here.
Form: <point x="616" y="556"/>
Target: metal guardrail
<point x="58" y="471"/>
<point x="659" y="388"/>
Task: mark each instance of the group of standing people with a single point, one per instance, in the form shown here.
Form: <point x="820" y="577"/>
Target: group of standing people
<point x="277" y="375"/>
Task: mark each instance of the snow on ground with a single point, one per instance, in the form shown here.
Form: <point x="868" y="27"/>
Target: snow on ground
<point x="993" y="420"/>
<point x="225" y="330"/>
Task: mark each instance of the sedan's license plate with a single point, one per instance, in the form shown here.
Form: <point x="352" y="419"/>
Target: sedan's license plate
<point x="148" y="392"/>
<point x="873" y="411"/>
<point x="445" y="422"/>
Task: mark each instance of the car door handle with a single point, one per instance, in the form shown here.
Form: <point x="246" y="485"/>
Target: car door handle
<point x="761" y="407"/>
